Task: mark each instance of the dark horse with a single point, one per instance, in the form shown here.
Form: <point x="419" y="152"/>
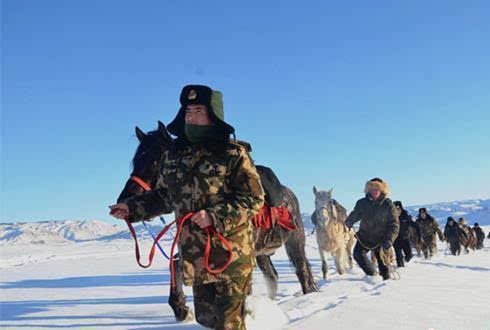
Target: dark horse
<point x="146" y="165"/>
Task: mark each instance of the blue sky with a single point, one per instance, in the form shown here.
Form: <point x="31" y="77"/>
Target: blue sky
<point x="330" y="94"/>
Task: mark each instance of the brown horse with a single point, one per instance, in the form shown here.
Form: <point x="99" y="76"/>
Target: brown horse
<point x="146" y="166"/>
<point x="468" y="242"/>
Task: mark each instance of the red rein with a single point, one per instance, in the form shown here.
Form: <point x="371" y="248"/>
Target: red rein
<point x="180" y="223"/>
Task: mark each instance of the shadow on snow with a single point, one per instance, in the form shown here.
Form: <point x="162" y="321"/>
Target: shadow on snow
<point x="90" y="281"/>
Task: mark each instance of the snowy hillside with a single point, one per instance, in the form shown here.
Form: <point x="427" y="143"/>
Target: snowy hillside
<point x="474" y="210"/>
<point x="70" y="231"/>
<point x="82" y="275"/>
<point x="96" y="284"/>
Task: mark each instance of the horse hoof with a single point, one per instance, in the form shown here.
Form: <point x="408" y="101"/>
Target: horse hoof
<point x="189" y="317"/>
<point x="184" y="315"/>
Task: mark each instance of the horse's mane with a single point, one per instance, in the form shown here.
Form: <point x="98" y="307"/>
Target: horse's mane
<point x="340" y="208"/>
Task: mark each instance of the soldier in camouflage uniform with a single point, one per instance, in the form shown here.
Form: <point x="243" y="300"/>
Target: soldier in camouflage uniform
<point x="429" y="227"/>
<point x="207" y="173"/>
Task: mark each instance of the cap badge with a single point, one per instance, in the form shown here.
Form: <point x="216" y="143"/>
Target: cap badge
<point x="192" y="95"/>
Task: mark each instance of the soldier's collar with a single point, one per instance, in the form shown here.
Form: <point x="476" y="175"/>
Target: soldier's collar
<point x="183" y="145"/>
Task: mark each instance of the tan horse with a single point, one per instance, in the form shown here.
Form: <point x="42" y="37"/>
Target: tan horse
<point x="332" y="235"/>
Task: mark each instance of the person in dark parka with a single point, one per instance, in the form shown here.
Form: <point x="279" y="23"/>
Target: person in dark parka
<point x="402" y="242"/>
<point x="454" y="235"/>
<point x="480" y="236"/>
<point x="378" y="229"/>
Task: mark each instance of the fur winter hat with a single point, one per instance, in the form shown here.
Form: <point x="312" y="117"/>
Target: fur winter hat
<point x="379" y="184"/>
<point x="398" y="204"/>
<point x="200" y="94"/>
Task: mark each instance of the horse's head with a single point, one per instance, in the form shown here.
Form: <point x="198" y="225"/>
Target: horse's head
<point x="324" y="206"/>
<point x="147" y="160"/>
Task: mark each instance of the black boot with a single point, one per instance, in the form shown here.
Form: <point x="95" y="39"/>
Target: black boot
<point x="385" y="275"/>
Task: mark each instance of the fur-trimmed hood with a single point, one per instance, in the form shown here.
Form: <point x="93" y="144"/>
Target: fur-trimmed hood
<point x="375" y="184"/>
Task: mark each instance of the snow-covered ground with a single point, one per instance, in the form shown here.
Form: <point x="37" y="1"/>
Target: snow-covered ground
<point x="93" y="282"/>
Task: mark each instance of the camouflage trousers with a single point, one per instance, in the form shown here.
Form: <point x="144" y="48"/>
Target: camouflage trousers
<point x="429" y="246"/>
<point x="221" y="305"/>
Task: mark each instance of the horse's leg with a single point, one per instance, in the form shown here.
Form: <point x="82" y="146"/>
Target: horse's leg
<point x="176" y="300"/>
<point x="339" y="257"/>
<point x="270" y="274"/>
<point x="294" y="242"/>
<point x="295" y="249"/>
<point x="323" y="256"/>
<point x="350" y="246"/>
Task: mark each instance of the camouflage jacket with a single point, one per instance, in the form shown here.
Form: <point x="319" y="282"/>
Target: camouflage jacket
<point x="379" y="221"/>
<point x="429" y="227"/>
<point x="222" y="181"/>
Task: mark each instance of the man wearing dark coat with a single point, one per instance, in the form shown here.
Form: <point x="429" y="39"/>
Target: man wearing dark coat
<point x="378" y="228"/>
<point x="454" y="235"/>
<point x="402" y="242"/>
<point x="480" y="236"/>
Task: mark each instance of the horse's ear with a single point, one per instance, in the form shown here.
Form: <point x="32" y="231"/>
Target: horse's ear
<point x="330" y="192"/>
<point x="314" y="190"/>
<point x="139" y="133"/>
<point x="163" y="131"/>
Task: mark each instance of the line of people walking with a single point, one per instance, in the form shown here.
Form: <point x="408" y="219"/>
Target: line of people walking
<point x="385" y="224"/>
<point x="459" y="235"/>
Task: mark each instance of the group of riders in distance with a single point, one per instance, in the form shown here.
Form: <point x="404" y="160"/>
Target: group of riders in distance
<point x="232" y="214"/>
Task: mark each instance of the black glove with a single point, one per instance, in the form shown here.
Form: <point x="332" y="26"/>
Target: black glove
<point x="387" y="245"/>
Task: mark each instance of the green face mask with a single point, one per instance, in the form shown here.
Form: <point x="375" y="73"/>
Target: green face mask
<point x="200" y="133"/>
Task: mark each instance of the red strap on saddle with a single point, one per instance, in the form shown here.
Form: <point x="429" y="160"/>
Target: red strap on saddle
<point x="268" y="216"/>
<point x="285" y="218"/>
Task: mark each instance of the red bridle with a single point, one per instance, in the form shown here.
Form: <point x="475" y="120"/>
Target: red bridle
<point x="142" y="183"/>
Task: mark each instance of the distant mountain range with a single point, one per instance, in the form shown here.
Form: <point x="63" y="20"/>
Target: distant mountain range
<point x="475" y="210"/>
<point x="72" y="231"/>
